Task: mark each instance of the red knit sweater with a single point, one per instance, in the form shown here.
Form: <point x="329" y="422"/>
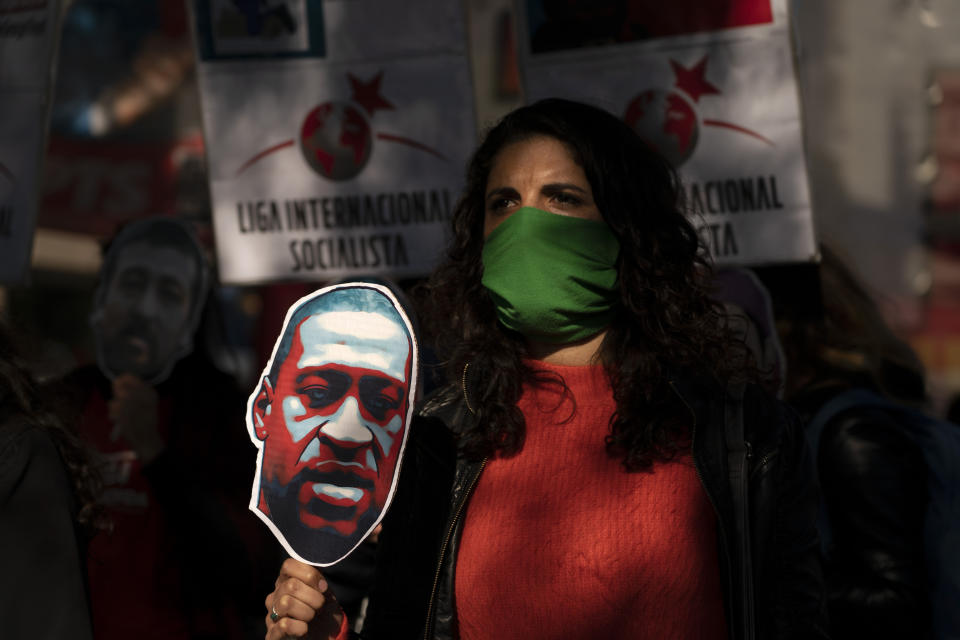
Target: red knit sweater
<point x="560" y="542"/>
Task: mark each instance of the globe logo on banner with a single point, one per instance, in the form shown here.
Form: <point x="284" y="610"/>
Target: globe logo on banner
<point x="337" y="138"/>
<point x="667" y="122"/>
<point x="668" y="119"/>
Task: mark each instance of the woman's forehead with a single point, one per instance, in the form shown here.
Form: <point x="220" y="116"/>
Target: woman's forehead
<point x="536" y="156"/>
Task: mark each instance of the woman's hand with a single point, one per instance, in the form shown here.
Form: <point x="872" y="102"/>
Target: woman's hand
<point x="302" y="604"/>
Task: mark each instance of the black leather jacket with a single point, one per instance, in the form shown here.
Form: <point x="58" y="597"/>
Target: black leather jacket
<point x="413" y="595"/>
<point x="874" y="481"/>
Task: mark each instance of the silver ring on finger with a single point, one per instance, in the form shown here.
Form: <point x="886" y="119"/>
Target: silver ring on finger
<point x="273" y="613"/>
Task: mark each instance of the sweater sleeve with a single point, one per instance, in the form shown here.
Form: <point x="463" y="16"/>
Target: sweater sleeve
<point x="42" y="581"/>
<point x="344" y="633"/>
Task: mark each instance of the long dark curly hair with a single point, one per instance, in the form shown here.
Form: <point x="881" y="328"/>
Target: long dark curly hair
<point x="19" y="395"/>
<point x="665" y="324"/>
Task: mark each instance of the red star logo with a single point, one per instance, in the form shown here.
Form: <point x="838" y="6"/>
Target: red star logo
<point x="367" y="94"/>
<point x="693" y="81"/>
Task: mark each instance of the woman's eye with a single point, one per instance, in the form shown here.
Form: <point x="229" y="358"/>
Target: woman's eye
<point x="499" y="204"/>
<point x="567" y="199"/>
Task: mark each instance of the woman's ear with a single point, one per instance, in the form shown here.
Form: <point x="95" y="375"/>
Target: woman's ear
<point x="261" y="408"/>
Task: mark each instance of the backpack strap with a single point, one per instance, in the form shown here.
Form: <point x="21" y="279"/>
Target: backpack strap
<point x="738" y="453"/>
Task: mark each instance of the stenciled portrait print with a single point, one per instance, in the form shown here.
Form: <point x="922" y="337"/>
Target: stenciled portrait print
<point x="148" y="303"/>
<point x="330" y="416"/>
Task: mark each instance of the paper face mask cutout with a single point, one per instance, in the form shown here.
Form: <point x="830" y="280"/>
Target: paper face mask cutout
<point x="153" y="284"/>
<point x="330" y="418"/>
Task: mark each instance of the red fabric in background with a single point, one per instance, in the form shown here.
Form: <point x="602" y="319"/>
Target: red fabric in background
<point x="134" y="587"/>
<point x="680" y="17"/>
<point x="94" y="186"/>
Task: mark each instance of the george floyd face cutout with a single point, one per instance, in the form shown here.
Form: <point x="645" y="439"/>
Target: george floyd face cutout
<point x="148" y="303"/>
<point x="330" y="418"/>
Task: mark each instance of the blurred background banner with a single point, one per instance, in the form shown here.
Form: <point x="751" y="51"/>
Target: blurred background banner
<point x="711" y="86"/>
<point x="92" y="186"/>
<point x="125" y="140"/>
<point x="878" y="86"/>
<point x="28" y="39"/>
<point x="336" y="134"/>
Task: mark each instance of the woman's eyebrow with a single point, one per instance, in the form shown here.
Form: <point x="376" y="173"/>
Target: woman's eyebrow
<point x="501" y="191"/>
<point x="553" y="187"/>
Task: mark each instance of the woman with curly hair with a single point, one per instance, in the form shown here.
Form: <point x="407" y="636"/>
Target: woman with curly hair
<point x="48" y="488"/>
<point x="601" y="464"/>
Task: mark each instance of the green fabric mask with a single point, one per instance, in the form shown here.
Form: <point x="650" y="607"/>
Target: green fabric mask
<point x="553" y="278"/>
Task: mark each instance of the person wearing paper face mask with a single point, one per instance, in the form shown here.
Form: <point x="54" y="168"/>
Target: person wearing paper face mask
<point x="166" y="426"/>
<point x="585" y="474"/>
<point x="152" y="289"/>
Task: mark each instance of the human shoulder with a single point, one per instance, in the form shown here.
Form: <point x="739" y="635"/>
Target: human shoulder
<point x="868" y="424"/>
<point x="431" y="433"/>
<point x="68" y="394"/>
<point x="853" y="418"/>
<point x="16" y="445"/>
<point x="866" y="440"/>
<point x="445" y="404"/>
<point x="38" y="528"/>
<point x="769" y="419"/>
<point x="766" y="419"/>
<point x="29" y="461"/>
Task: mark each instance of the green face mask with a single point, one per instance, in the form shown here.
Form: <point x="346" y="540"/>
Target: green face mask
<point x="553" y="278"/>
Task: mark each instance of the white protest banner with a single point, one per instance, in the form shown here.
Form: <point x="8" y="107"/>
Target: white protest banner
<point x="337" y="134"/>
<point x="712" y="87"/>
<point x="28" y="35"/>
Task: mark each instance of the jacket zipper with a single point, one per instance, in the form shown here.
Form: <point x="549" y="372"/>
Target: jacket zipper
<point x="741" y="498"/>
<point x="748" y="616"/>
<point x="696" y="467"/>
<point x="762" y="462"/>
<point x="446" y="543"/>
<point x="716" y="511"/>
